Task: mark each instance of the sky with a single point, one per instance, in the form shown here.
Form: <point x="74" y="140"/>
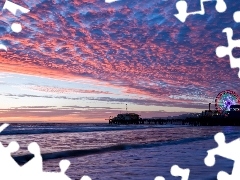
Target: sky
<point x="84" y="60"/>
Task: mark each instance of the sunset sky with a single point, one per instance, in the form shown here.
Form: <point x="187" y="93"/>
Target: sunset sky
<point x="83" y="60"/>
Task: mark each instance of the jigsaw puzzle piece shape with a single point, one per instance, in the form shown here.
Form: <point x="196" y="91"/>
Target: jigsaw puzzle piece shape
<point x="33" y="166"/>
<point x="222" y="51"/>
<point x="5" y="125"/>
<point x="182" y="15"/>
<point x="210" y="159"/>
<point x="223" y="176"/>
<point x="7" y="163"/>
<point x="14" y="8"/>
<point x="33" y="169"/>
<point x="2" y="46"/>
<point x="235" y="173"/>
<point x="236" y="16"/>
<point x="16" y="27"/>
<point x="182" y="6"/>
<point x="177" y="171"/>
<point x="87" y="178"/>
<point x="110" y="1"/>
<point x="64" y="164"/>
<point x="221" y="6"/>
<point x="227" y="150"/>
<point x="159" y="178"/>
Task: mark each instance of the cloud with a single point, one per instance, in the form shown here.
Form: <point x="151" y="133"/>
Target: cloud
<point x="147" y="102"/>
<point x="137" y="46"/>
<point x="69" y="115"/>
<point x="61" y="90"/>
<point x="37" y="107"/>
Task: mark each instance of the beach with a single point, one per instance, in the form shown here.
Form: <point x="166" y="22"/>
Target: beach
<point x="140" y="152"/>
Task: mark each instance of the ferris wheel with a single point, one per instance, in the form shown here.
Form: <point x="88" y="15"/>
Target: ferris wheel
<point x="225" y="99"/>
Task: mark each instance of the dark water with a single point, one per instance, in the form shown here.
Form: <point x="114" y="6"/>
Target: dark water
<point x="104" y="151"/>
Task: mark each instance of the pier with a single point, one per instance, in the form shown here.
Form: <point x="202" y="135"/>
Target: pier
<point x="206" y="118"/>
<point x="201" y="121"/>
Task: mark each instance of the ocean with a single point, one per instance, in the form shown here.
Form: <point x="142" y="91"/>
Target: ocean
<point x="134" y="152"/>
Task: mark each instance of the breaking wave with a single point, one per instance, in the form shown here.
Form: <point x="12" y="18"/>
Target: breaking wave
<point x="72" y="128"/>
<point x="120" y="147"/>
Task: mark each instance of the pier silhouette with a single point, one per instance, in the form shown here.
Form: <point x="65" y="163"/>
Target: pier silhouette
<point x="201" y="121"/>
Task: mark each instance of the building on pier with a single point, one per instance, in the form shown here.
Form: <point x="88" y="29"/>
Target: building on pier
<point x="126" y="118"/>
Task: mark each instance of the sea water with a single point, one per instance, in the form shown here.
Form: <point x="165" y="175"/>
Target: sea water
<point x="135" y="152"/>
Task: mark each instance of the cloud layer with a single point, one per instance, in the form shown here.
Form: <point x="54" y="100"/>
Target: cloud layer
<point x="138" y="46"/>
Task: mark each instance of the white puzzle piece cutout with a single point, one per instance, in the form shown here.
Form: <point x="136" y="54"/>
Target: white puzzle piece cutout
<point x="110" y="1"/>
<point x="236" y="16"/>
<point x="3" y="126"/>
<point x="86" y="178"/>
<point x="33" y="169"/>
<point x="13" y="8"/>
<point x="182" y="6"/>
<point x="177" y="171"/>
<point x="222" y="51"/>
<point x="227" y="150"/>
<point x="7" y="164"/>
<point x="159" y="178"/>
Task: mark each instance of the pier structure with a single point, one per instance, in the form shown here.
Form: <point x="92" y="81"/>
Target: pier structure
<point x="201" y="121"/>
<point x="146" y="121"/>
<point x="226" y="113"/>
<point x="207" y="118"/>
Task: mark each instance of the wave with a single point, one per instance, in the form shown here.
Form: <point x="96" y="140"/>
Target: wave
<point x="83" y="152"/>
<point x="70" y="129"/>
<point x="22" y="159"/>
